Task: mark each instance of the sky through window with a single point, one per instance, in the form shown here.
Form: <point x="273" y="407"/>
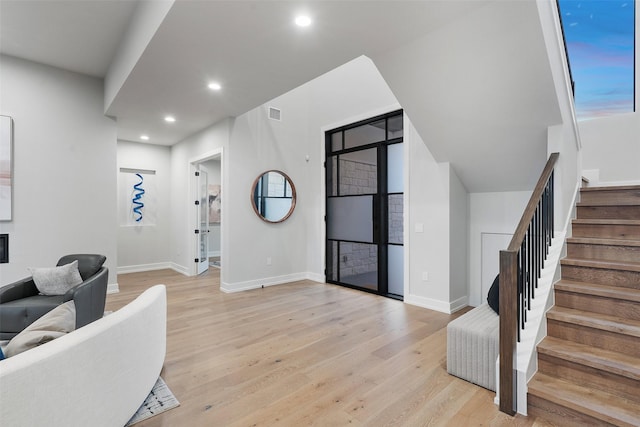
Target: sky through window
<point x="600" y="44"/>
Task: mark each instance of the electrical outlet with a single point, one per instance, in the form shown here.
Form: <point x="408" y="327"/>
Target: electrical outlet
<point x="268" y="260"/>
<point x="425" y="276"/>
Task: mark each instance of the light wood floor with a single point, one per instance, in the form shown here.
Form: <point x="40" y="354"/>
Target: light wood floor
<point x="306" y="354"/>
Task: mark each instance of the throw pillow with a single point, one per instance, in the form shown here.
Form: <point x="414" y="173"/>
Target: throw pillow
<point x="56" y="323"/>
<point x="1" y="354"/>
<point x="56" y="280"/>
<point x="493" y="297"/>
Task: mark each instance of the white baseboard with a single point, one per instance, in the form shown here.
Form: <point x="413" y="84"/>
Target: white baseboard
<point x="214" y="253"/>
<point x="179" y="268"/>
<point x="112" y="288"/>
<point x="437" y="305"/>
<point x="315" y="277"/>
<point x="269" y="281"/>
<point x="151" y="267"/>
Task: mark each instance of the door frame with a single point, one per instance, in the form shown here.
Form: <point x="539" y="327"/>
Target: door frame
<point x="321" y="177"/>
<point x="192" y="167"/>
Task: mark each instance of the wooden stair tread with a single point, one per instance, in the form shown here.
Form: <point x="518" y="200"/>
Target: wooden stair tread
<point x="612" y="188"/>
<point x="611" y="265"/>
<point x="603" y="241"/>
<point x="605" y="221"/>
<point x="598" y="321"/>
<point x="603" y="203"/>
<point x="615" y="292"/>
<point x="594" y="357"/>
<point x="595" y="403"/>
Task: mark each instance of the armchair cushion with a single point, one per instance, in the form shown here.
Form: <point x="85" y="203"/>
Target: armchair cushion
<point x="56" y="280"/>
<point x="88" y="264"/>
<point x="56" y="323"/>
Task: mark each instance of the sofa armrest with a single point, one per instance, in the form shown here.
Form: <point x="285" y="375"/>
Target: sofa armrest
<point x="89" y="298"/>
<point x="21" y="289"/>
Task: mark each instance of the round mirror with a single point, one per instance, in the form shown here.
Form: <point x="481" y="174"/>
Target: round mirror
<point x="273" y="196"/>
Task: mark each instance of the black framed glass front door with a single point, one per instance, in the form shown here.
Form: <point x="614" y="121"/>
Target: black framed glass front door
<point x="364" y="223"/>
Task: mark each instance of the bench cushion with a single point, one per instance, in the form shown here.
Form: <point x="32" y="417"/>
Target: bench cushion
<point x="473" y="346"/>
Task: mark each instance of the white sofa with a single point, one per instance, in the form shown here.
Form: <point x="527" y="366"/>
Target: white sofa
<point x="95" y="376"/>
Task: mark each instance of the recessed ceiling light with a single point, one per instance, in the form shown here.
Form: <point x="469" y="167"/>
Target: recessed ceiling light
<point x="214" y="86"/>
<point x="144" y="137"/>
<point x="303" y="21"/>
<point x="170" y="119"/>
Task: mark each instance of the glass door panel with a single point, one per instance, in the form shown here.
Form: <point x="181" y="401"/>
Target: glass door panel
<point x="359" y="265"/>
<point x="203" y="222"/>
<point x="395" y="269"/>
<point x="351" y="218"/>
<point x="364" y="185"/>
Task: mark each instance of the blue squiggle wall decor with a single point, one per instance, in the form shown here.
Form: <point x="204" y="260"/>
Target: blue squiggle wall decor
<point x="138" y="191"/>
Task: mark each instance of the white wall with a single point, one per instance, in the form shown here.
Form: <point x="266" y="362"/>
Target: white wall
<point x="145" y="247"/>
<point x="427" y="226"/>
<point x="64" y="185"/>
<point x="214" y="171"/>
<point x="143" y="25"/>
<point x="459" y="238"/>
<point x="491" y="214"/>
<point x="611" y="145"/>
<point x="182" y="242"/>
<point x="295" y="145"/>
<point x="296" y="247"/>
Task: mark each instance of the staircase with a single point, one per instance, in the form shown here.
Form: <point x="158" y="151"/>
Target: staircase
<point x="589" y="363"/>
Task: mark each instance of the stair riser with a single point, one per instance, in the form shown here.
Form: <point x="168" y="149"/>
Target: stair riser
<point x="589" y="377"/>
<point x="559" y="415"/>
<point x="629" y="232"/>
<point x="598" y="304"/>
<point x="610" y="196"/>
<point x="603" y="252"/>
<point x="608" y="212"/>
<point x="601" y="276"/>
<point x="603" y="339"/>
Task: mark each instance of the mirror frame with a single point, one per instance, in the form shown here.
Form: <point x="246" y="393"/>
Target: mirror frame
<point x="293" y="196"/>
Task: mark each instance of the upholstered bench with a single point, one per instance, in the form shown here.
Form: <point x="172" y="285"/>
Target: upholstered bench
<point x="473" y="346"/>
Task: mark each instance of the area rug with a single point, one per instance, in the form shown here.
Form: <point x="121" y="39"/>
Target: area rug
<point x="159" y="400"/>
<point x="215" y="264"/>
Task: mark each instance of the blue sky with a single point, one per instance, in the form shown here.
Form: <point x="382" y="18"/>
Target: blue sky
<point x="600" y="42"/>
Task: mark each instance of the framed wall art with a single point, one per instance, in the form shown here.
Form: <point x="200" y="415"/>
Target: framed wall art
<point x="6" y="167"/>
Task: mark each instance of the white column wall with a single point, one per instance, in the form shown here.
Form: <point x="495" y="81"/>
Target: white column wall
<point x="142" y="248"/>
<point x="213" y="138"/>
<point x="64" y="186"/>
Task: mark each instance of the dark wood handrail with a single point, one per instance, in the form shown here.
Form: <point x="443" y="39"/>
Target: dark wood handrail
<point x="521" y="230"/>
<point x="511" y="278"/>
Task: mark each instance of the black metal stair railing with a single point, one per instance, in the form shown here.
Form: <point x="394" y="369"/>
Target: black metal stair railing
<point x="520" y="267"/>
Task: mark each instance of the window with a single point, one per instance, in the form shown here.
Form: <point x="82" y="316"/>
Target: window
<point x="600" y="39"/>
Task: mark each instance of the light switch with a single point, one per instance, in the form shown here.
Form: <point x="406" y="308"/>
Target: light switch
<point x="419" y="227"/>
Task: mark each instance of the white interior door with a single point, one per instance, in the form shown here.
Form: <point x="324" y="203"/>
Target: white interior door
<point x="202" y="212"/>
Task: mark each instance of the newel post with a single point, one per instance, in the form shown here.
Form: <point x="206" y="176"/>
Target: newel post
<point x="508" y="329"/>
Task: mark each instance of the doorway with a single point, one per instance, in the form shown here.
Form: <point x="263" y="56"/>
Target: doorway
<point x="365" y="200"/>
<point x="206" y="211"/>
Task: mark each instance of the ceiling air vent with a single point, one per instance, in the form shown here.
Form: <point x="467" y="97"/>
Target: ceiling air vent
<point x="274" y="113"/>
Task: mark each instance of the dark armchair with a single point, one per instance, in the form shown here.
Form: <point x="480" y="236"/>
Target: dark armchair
<point x="21" y="304"/>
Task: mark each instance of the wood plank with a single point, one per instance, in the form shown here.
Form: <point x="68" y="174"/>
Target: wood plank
<point x="602" y="406"/>
<point x="305" y="354"/>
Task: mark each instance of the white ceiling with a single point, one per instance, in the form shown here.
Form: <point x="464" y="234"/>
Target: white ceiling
<point x="80" y="36"/>
<point x="442" y="58"/>
<point x="252" y="48"/>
